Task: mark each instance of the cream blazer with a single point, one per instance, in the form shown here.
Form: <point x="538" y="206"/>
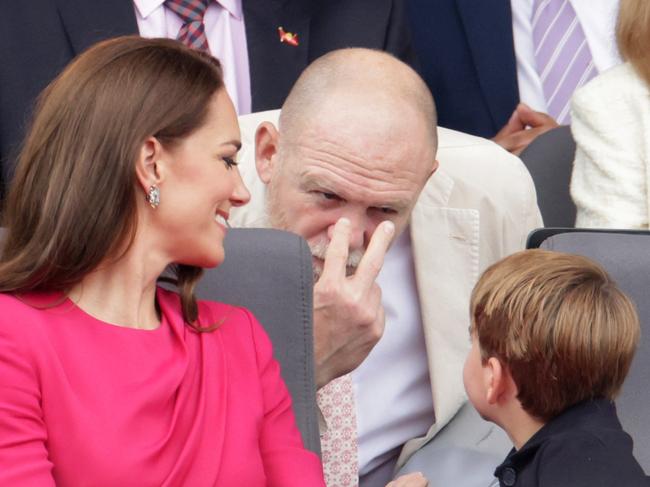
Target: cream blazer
<point x="610" y="123"/>
<point x="477" y="208"/>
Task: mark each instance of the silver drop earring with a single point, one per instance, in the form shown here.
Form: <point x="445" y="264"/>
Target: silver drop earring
<point x="153" y="196"/>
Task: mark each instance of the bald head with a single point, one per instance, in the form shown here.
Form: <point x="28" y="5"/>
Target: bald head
<point x="362" y="85"/>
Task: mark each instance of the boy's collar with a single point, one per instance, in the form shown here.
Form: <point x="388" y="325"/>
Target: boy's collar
<point x="572" y="418"/>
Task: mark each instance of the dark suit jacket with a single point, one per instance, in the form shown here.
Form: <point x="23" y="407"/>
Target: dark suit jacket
<point x="467" y="57"/>
<point x="584" y="446"/>
<point x="39" y="37"/>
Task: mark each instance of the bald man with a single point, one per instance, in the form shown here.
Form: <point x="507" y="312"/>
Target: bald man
<point x="352" y="168"/>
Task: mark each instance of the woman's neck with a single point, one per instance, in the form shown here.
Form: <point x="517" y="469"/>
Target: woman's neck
<point x="123" y="291"/>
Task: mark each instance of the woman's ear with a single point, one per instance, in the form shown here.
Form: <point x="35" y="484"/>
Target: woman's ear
<point x="266" y="149"/>
<point x="149" y="166"/>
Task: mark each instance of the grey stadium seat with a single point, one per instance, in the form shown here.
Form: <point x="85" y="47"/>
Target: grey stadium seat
<point x="549" y="159"/>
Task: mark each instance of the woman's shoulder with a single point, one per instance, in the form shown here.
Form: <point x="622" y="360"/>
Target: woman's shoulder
<point x="213" y="314"/>
<point x="618" y="82"/>
<point x="16" y="308"/>
<point x="24" y="319"/>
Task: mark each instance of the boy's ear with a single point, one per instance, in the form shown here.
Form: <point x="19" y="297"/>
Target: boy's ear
<point x="499" y="383"/>
<point x="266" y="150"/>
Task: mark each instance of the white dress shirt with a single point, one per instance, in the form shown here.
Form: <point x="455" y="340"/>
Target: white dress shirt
<point x="224" y="28"/>
<point x="598" y="20"/>
<point x="392" y="386"/>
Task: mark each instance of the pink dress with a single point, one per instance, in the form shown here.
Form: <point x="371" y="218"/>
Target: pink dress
<point x="83" y="402"/>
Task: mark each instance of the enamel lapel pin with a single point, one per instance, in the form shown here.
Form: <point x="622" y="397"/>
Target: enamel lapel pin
<point x="288" y="37"/>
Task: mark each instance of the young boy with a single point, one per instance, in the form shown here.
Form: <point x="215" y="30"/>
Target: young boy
<point x="552" y="341"/>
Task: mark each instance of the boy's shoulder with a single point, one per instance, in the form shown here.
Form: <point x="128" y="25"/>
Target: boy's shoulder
<point x="584" y="446"/>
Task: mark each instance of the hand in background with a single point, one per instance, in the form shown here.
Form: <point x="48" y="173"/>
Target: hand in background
<point x="524" y="126"/>
<point x="415" y="479"/>
<point x="348" y="313"/>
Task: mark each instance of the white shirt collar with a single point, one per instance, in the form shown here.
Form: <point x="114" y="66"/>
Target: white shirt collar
<point x="146" y="7"/>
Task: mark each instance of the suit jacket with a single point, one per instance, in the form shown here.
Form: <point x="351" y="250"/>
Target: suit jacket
<point x="38" y="38"/>
<point x="477" y="208"/>
<point x="467" y="57"/>
<point x="610" y="124"/>
<point x="583" y="446"/>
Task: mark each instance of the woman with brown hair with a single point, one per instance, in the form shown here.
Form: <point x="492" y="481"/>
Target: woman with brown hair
<point x="105" y="378"/>
<point x="610" y="124"/>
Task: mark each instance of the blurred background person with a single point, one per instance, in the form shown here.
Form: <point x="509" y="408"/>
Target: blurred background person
<point x="611" y="123"/>
<point x="108" y="379"/>
<point x="481" y="59"/>
<point x="263" y="45"/>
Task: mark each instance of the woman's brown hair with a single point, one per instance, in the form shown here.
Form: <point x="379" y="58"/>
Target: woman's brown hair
<point x="72" y="202"/>
<point x="633" y="35"/>
<point x="559" y="323"/>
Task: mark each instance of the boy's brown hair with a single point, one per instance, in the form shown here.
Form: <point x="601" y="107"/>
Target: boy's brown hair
<point x="559" y="324"/>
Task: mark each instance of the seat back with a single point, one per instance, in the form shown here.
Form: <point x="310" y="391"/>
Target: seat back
<point x="549" y="159"/>
<point x="270" y="273"/>
<point x="625" y="255"/>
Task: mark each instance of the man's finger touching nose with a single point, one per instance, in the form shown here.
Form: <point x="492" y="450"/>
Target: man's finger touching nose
<point x="336" y="256"/>
<point x="373" y="259"/>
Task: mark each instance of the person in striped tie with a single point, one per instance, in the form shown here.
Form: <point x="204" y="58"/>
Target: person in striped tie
<point x="505" y="69"/>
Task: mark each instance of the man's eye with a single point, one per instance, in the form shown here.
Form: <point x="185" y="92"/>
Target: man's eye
<point x="230" y="162"/>
<point x="330" y="196"/>
<point x="387" y="211"/>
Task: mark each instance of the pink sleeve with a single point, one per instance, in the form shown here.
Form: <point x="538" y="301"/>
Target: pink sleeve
<point x="286" y="461"/>
<point x="23" y="456"/>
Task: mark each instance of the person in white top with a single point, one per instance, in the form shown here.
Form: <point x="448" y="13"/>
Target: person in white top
<point x="610" y="124"/>
<point x="355" y="143"/>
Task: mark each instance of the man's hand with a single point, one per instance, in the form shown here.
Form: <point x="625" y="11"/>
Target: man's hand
<point x="415" y="479"/>
<point x="524" y="126"/>
<point x="348" y="314"/>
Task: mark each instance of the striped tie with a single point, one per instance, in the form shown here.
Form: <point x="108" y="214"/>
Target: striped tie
<point x="192" y="31"/>
<point x="562" y="54"/>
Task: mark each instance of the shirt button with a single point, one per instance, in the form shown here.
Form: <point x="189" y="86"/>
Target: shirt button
<point x="509" y="476"/>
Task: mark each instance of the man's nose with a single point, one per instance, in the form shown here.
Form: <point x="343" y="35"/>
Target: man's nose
<point x="357" y="232"/>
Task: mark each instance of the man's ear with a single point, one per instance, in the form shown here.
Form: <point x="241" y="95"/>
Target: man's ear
<point x="150" y="168"/>
<point x="267" y="138"/>
<point x="498" y="381"/>
<point x="436" y="164"/>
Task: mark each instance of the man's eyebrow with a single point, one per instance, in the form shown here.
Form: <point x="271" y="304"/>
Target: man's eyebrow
<point x="234" y="142"/>
<point x="323" y="184"/>
<point x="312" y="182"/>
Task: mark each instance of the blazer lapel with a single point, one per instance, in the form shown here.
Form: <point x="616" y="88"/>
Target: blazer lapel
<point x="445" y="243"/>
<point x="87" y="22"/>
<point x="275" y="65"/>
<point x="488" y="29"/>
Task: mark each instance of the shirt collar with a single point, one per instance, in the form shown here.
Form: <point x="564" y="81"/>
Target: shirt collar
<point x="233" y="7"/>
<point x="595" y="412"/>
<point x="145" y="7"/>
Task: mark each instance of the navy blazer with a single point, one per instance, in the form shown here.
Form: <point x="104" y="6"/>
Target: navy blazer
<point x="467" y="57"/>
<point x="39" y="37"/>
